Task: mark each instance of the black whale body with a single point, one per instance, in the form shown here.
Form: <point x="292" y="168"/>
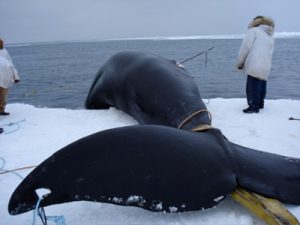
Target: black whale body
<point x="154" y="90"/>
<point x="155" y="167"/>
<point x="150" y="88"/>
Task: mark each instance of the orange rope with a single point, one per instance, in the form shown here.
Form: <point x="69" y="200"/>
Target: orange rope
<point x="192" y="115"/>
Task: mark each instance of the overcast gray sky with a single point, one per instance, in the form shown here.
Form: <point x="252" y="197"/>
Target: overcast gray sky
<point x="58" y="20"/>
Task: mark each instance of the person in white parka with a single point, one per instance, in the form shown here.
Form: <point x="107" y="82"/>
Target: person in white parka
<point x="8" y="76"/>
<point x="255" y="59"/>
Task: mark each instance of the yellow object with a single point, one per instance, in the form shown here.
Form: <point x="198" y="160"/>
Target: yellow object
<point x="271" y="211"/>
<point x="202" y="127"/>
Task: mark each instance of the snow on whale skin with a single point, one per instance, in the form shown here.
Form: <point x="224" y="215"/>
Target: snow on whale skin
<point x="157" y="168"/>
<point x="150" y="88"/>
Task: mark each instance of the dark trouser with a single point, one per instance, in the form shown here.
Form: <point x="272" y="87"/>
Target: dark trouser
<point x="3" y="97"/>
<point x="256" y="92"/>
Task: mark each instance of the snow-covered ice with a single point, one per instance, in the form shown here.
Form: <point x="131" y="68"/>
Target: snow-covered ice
<point x="42" y="131"/>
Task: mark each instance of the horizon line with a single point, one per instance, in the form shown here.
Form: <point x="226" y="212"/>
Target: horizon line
<point x="190" y="37"/>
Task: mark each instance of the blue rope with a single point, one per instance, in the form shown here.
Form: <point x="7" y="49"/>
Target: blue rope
<point x="35" y="211"/>
<point x="17" y="124"/>
<point x="2" y="169"/>
<point x="59" y="220"/>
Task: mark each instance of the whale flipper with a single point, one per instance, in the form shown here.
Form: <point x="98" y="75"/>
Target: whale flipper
<point x="157" y="168"/>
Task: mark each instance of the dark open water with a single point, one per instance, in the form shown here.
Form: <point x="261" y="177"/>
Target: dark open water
<point x="60" y="74"/>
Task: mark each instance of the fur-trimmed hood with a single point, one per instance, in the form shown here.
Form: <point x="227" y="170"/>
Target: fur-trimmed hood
<point x="255" y="55"/>
<point x="266" y="23"/>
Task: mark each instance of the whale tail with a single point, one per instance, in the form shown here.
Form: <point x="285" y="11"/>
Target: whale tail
<point x="25" y="199"/>
<point x="270" y="175"/>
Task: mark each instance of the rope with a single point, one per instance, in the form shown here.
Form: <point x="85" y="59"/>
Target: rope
<point x="202" y="127"/>
<point x="188" y="59"/>
<point x="187" y="119"/>
<point x="205" y="62"/>
<point x="59" y="220"/>
<point x="204" y="71"/>
<point x="17" y="169"/>
<point x="37" y="212"/>
<point x="8" y="171"/>
<point x="17" y="124"/>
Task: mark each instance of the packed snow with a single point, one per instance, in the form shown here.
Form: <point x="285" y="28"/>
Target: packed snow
<point x="33" y="134"/>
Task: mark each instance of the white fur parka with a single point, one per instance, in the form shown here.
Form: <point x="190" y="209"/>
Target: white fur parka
<point x="255" y="55"/>
<point x="8" y="73"/>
